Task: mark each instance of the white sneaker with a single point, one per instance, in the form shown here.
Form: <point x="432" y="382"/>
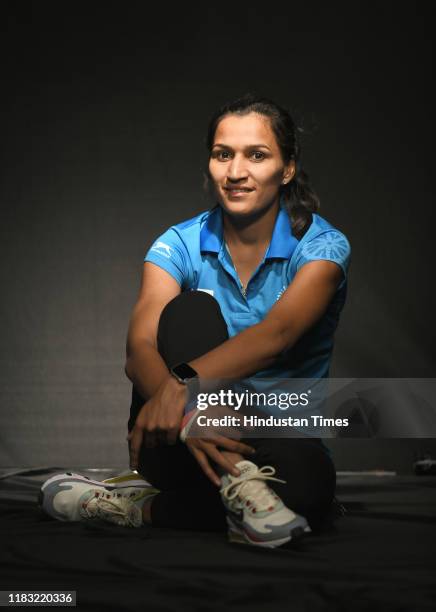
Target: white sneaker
<point x="255" y="514"/>
<point x="73" y="497"/>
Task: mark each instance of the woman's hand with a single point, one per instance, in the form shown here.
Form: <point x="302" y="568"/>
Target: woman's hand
<point x="204" y="449"/>
<point x="159" y="419"/>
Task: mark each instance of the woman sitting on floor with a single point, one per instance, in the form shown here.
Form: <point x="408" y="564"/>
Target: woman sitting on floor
<point x="252" y="287"/>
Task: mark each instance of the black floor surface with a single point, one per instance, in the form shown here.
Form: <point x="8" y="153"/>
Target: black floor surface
<point x="380" y="556"/>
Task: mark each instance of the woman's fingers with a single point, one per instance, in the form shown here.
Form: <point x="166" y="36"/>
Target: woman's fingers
<point x="221" y="459"/>
<point x="205" y="465"/>
<point x="135" y="442"/>
<point x="161" y="437"/>
<point x="208" y="449"/>
<point x="150" y="439"/>
<point x="172" y="434"/>
<point x="152" y="432"/>
<point x="232" y="445"/>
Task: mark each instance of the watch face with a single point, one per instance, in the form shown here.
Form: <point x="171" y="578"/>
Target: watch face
<point x="184" y="371"/>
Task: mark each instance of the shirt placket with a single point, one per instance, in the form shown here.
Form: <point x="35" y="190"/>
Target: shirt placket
<point x="226" y="261"/>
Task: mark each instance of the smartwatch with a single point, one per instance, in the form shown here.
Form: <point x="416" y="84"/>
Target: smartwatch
<point x="186" y="376"/>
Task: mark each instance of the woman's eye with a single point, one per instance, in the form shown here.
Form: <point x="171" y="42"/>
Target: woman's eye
<point x="219" y="154"/>
<point x="225" y="155"/>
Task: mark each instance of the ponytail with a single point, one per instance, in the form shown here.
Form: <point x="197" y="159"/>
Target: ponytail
<point x="300" y="201"/>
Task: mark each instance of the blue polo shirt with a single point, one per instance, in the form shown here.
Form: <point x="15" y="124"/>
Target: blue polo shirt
<point x="194" y="252"/>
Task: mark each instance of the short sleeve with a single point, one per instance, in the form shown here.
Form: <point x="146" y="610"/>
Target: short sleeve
<point x="331" y="245"/>
<point x="169" y="252"/>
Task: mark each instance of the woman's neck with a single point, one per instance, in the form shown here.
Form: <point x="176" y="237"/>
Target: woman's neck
<point x="252" y="231"/>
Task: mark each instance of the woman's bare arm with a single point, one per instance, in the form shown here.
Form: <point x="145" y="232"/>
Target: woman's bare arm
<point x="254" y="349"/>
<point x="257" y="347"/>
<point x="144" y="365"/>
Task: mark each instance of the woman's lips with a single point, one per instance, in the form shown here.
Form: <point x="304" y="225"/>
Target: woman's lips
<point x="237" y="193"/>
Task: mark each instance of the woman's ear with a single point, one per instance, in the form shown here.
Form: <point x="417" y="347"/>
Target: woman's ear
<point x="289" y="172"/>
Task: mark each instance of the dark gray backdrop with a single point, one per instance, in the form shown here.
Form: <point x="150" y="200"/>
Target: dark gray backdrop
<point x="105" y="108"/>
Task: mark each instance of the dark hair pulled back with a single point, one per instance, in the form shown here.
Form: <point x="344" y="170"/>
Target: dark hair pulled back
<point x="300" y="199"/>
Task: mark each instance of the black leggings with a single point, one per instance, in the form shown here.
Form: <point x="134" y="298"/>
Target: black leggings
<point x="191" y="325"/>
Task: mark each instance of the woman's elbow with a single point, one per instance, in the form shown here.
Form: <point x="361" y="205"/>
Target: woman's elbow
<point x="127" y="369"/>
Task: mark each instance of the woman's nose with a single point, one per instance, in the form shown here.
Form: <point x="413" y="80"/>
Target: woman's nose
<point x="236" y="169"/>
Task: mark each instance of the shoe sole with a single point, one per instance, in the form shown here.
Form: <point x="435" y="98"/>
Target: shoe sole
<point x="239" y="536"/>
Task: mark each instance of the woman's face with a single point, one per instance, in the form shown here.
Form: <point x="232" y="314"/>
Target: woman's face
<point x="246" y="165"/>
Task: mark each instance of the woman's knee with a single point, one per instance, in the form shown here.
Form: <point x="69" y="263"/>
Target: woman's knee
<point x="190" y="325"/>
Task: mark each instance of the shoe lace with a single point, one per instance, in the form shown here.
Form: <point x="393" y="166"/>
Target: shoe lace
<point x="252" y="489"/>
<point x="111" y="507"/>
